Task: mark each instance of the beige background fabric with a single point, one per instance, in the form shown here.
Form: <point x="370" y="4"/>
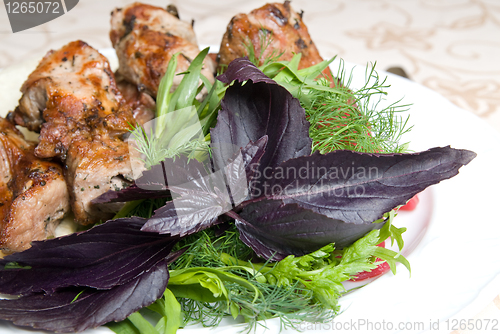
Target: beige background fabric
<point x="450" y="46"/>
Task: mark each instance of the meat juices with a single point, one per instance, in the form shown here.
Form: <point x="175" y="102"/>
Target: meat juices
<point x="73" y="100"/>
<point x="143" y="106"/>
<point x="71" y="95"/>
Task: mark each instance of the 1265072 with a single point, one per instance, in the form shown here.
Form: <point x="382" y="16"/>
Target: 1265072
<point x="33" y="7"/>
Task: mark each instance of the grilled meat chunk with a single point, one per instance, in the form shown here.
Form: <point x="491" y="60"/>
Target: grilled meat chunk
<point x="124" y="20"/>
<point x="33" y="193"/>
<point x="143" y="106"/>
<point x="273" y="27"/>
<point x="71" y="95"/>
<point x="145" y="39"/>
<point x="73" y="99"/>
<point x="94" y="167"/>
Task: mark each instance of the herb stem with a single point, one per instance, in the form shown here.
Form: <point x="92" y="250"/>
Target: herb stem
<point x="233" y="215"/>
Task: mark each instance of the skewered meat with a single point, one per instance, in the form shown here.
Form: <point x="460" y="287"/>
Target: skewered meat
<point x="33" y="193"/>
<point x="269" y="28"/>
<point x="145" y="39"/>
<point x="71" y="95"/>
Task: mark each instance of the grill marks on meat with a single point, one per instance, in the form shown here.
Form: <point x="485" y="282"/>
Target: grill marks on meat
<point x="71" y="95"/>
<point x="145" y="39"/>
<point x="33" y="192"/>
<point x="73" y="100"/>
<point x="285" y="31"/>
<point x="138" y="15"/>
<point x="82" y="114"/>
<point x="94" y="167"/>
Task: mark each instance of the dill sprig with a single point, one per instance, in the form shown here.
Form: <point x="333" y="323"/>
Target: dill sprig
<point x="262" y="59"/>
<point x="204" y="248"/>
<point x="292" y="304"/>
<point x="146" y="207"/>
<point x="153" y="148"/>
<point x="342" y="117"/>
<point x="294" y="290"/>
<point x="351" y="118"/>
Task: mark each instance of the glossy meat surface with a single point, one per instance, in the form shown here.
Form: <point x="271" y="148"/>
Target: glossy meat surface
<point x="124" y="20"/>
<point x="92" y="168"/>
<point x="143" y="106"/>
<point x="73" y="99"/>
<point x="274" y="29"/>
<point x="33" y="192"/>
<point x="145" y="39"/>
<point x="71" y="95"/>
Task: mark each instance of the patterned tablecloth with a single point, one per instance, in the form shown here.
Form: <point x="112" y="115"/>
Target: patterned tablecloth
<point x="450" y="46"/>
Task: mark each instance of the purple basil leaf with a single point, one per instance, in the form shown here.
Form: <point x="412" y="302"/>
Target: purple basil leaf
<point x="236" y="172"/>
<point x="196" y="204"/>
<point x="275" y="230"/>
<point x="154" y="182"/>
<point x="69" y="311"/>
<point x="253" y="110"/>
<point x="202" y="200"/>
<point x="242" y="69"/>
<point x="105" y="256"/>
<point x="252" y="153"/>
<point x="315" y="200"/>
<point x="131" y="193"/>
<point x="359" y="187"/>
<point x="188" y="215"/>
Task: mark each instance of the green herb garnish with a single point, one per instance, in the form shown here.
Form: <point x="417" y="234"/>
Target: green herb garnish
<point x="218" y="275"/>
<point x="342" y="117"/>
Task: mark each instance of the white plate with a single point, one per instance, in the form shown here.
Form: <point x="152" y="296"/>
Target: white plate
<point x="456" y="261"/>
